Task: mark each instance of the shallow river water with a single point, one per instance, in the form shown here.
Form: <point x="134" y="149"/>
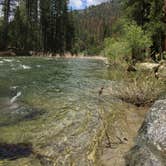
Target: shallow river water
<point x="49" y="110"/>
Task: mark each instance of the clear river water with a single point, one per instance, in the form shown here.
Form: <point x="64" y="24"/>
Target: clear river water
<point x="49" y="110"/>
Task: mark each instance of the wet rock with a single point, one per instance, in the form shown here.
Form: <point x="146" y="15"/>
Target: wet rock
<point x="150" y="149"/>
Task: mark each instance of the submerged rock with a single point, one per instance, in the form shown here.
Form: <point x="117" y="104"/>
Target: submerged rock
<point x="150" y="148"/>
<point x="13" y="113"/>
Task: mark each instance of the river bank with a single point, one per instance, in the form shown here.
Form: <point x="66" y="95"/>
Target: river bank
<point x="12" y="54"/>
<point x="122" y="131"/>
<point x="150" y="143"/>
<point x="138" y="91"/>
<point x="23" y="53"/>
<point x="137" y="136"/>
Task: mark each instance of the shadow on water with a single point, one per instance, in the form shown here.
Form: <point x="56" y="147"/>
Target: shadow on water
<point x="13" y="117"/>
<point x="15" y="151"/>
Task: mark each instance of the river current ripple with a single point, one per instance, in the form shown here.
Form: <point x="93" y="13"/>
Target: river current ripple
<point x="51" y="104"/>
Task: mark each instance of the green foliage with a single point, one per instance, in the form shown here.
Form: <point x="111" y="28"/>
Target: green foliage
<point x="131" y="43"/>
<point x="118" y="26"/>
<point x="116" y="49"/>
<point x="136" y="36"/>
<point x="137" y="39"/>
<point x="1" y="29"/>
<point x="37" y="25"/>
<point x="17" y="27"/>
<point x="149" y="15"/>
<point x="93" y="25"/>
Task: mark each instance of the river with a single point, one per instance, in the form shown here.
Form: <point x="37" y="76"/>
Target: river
<point x="49" y="110"/>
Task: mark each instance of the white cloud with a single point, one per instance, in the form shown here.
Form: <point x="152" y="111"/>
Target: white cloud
<point x="94" y="2"/>
<point x="77" y="4"/>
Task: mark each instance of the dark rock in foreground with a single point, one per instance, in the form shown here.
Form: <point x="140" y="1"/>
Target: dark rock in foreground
<point x="150" y="149"/>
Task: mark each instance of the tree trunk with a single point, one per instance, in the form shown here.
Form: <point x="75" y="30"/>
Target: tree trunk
<point x="165" y="24"/>
<point x="6" y="23"/>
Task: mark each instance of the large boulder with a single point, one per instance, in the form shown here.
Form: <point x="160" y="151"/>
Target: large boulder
<point x="150" y="148"/>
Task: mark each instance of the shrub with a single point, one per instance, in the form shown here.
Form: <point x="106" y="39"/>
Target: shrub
<point x="137" y="40"/>
<point x="132" y="44"/>
<point x="140" y="91"/>
<point x="116" y="49"/>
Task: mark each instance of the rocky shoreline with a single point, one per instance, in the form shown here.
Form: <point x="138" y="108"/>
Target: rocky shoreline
<point x="133" y="144"/>
<point x="150" y="147"/>
<point x="122" y="132"/>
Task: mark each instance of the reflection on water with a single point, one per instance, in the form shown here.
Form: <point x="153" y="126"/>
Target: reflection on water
<point x="51" y="103"/>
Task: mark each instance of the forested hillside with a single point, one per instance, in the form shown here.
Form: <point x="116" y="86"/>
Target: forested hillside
<point x="93" y="25"/>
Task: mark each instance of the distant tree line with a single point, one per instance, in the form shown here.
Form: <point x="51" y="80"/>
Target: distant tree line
<point x="37" y="25"/>
<point x="50" y="26"/>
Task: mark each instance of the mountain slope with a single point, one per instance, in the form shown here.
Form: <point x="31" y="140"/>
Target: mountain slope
<point x="93" y="24"/>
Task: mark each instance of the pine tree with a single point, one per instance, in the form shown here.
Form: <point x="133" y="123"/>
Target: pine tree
<point x="38" y="25"/>
<point x="45" y="23"/>
<point x="32" y="24"/>
<point x="70" y="32"/>
<point x="6" y="12"/>
<point x="138" y="10"/>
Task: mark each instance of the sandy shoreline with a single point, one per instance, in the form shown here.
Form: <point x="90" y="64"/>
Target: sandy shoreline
<point x="105" y="59"/>
<point x="87" y="57"/>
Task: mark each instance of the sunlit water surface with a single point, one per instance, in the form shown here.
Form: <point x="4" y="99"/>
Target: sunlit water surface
<point x="50" y="106"/>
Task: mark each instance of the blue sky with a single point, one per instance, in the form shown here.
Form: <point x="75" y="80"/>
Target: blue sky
<point x="81" y="4"/>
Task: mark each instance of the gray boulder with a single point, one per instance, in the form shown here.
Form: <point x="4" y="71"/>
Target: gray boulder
<point x="150" y="148"/>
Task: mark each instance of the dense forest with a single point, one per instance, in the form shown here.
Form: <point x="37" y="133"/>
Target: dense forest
<point x="36" y="25"/>
<point x="150" y="17"/>
<point x="51" y="26"/>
